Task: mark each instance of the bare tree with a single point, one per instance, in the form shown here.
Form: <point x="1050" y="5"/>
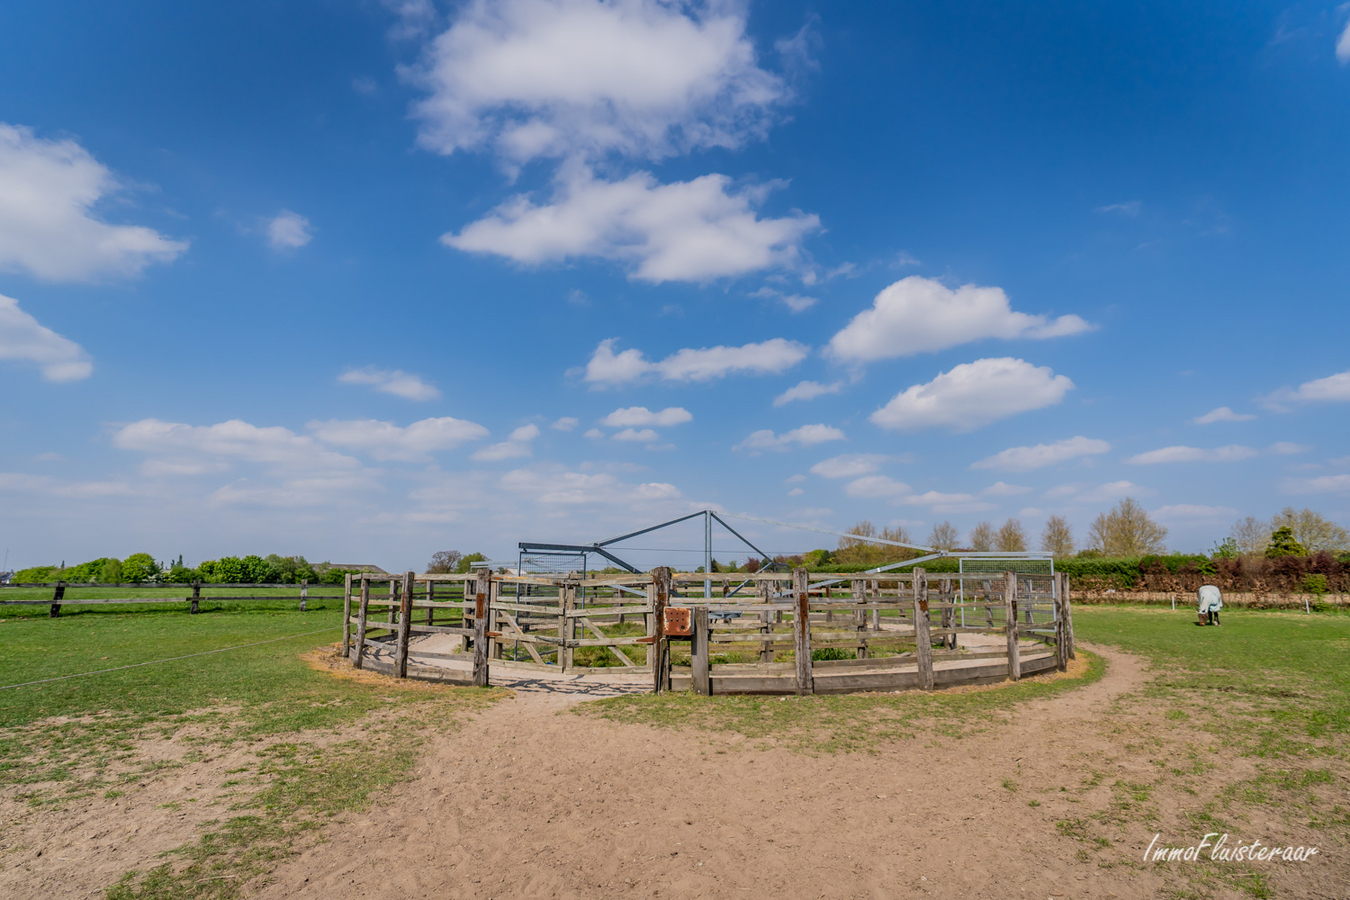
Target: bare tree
<point x="943" y="536"/>
<point x="1011" y="537"/>
<point x="897" y="533"/>
<point x="443" y="562"/>
<point x="863" y="529"/>
<point x="1127" y="530"/>
<point x="1313" y="530"/>
<point x="1251" y="535"/>
<point x="1057" y="538"/>
<point x="982" y="537"/>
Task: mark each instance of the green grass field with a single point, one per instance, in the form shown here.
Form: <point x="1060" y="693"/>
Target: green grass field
<point x="1271" y="689"/>
<point x="64" y="741"/>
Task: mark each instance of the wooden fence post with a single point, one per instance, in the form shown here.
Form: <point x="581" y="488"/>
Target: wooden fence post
<point x="1010" y="621"/>
<point x="57" y="596"/>
<point x="923" y="640"/>
<point x="1067" y="609"/>
<point x="801" y="631"/>
<point x="304" y="592"/>
<point x="346" y="614"/>
<point x="660" y="652"/>
<point x="765" y="591"/>
<point x="698" y="652"/>
<point x="431" y="598"/>
<point x="361" y="610"/>
<point x="1061" y="652"/>
<point x="196" y="597"/>
<point x="404" y="627"/>
<point x="482" y="588"/>
<point x="393" y="595"/>
<point x="567" y="601"/>
<point x="948" y="614"/>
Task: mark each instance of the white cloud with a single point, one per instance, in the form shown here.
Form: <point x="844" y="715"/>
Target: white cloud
<point x="1332" y="389"/>
<point x="48" y="191"/>
<point x="796" y="492"/>
<point x="1325" y="484"/>
<point x="400" y="384"/>
<point x="288" y="231"/>
<point x="232" y="440"/>
<point x="639" y="416"/>
<point x="807" y="390"/>
<point x="974" y="394"/>
<point x="556" y="486"/>
<point x="922" y="315"/>
<point x="697" y="230"/>
<point x="1343" y="46"/>
<point x="594" y="434"/>
<point x="1102" y="493"/>
<point x="795" y="479"/>
<point x="876" y="486"/>
<point x="768" y="357"/>
<point x="24" y="339"/>
<point x="1230" y="453"/>
<point x="795" y="302"/>
<point x="532" y="78"/>
<point x="516" y="446"/>
<point x="939" y="502"/>
<point x="1190" y="511"/>
<point x="849" y="465"/>
<point x="805" y="436"/>
<point x="503" y="450"/>
<point x="643" y="435"/>
<point x="1287" y="448"/>
<point x="1222" y="414"/>
<point x="566" y="423"/>
<point x="1003" y="489"/>
<point x="1023" y="459"/>
<point x="385" y="440"/>
<point x="1128" y="208"/>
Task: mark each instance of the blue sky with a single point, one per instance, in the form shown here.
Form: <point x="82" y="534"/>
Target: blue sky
<point x="365" y="280"/>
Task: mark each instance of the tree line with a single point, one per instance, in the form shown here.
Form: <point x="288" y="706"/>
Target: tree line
<point x="142" y="568"/>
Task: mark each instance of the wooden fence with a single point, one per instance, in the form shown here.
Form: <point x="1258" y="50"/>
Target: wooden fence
<point x="775" y="633"/>
<point x="192" y="594"/>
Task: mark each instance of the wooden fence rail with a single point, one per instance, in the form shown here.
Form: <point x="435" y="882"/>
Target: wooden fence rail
<point x="193" y="595"/>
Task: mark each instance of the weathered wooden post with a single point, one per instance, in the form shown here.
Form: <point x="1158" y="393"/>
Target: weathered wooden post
<point x="482" y="589"/>
<point x="431" y="598"/>
<point x="948" y="614"/>
<point x="393" y="596"/>
<point x="923" y="640"/>
<point x="699" y="653"/>
<point x="765" y="591"/>
<point x="567" y="598"/>
<point x="57" y="596"/>
<point x="660" y="652"/>
<point x="346" y="614"/>
<point x="1061" y="652"/>
<point x="1067" y="609"/>
<point x="304" y="592"/>
<point x="404" y="627"/>
<point x="801" y="631"/>
<point x="361" y="611"/>
<point x="1010" y="621"/>
<point x="196" y="596"/>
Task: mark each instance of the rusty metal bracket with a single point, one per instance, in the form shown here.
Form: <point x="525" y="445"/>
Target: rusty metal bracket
<point x="679" y="622"/>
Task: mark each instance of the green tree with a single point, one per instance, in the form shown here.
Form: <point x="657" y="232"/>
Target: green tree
<point x="1313" y="530"/>
<point x="1283" y="543"/>
<point x="140" y="567"/>
<point x="465" y="562"/>
<point x="110" y="572"/>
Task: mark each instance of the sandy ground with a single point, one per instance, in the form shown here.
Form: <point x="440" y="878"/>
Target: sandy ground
<point x="525" y="802"/>
<point x="528" y="800"/>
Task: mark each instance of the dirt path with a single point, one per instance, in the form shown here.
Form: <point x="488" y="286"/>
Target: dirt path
<point x="524" y="802"/>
